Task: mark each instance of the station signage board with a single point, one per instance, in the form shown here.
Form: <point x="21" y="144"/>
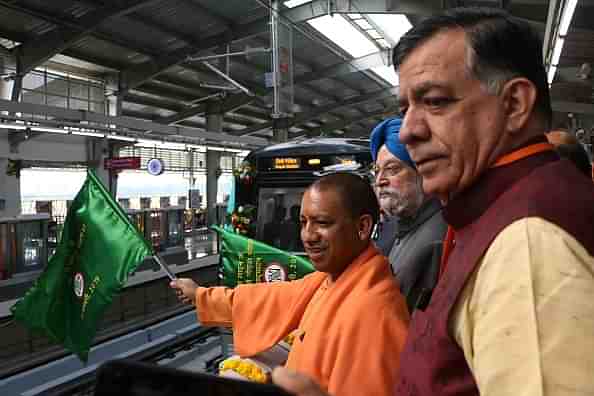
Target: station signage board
<point x="119" y="163"/>
<point x="195" y="198"/>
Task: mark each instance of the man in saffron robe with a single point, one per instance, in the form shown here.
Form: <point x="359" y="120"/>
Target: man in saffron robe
<point x="512" y="313"/>
<point x="349" y="317"/>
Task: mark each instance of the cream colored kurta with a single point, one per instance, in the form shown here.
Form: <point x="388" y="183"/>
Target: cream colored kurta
<point x="525" y="319"/>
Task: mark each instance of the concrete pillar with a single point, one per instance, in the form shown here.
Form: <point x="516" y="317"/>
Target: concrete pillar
<point x="213" y="162"/>
<point x="97" y="152"/>
<point x="10" y="186"/>
<point x="280" y="130"/>
<point x="214" y="123"/>
<point x="100" y="149"/>
<point x="6" y="85"/>
<point x="10" y="192"/>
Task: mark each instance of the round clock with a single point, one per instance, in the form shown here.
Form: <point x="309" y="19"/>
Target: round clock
<point x="155" y="166"/>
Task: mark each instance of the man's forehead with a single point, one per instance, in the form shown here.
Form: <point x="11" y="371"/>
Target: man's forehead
<point x="445" y="50"/>
<point x="384" y="156"/>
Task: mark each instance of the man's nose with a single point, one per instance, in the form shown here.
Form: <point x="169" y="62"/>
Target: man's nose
<point x="414" y="126"/>
<point x="308" y="233"/>
<point x="381" y="179"/>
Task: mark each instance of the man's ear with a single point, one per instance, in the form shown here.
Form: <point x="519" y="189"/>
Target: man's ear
<point x="519" y="98"/>
<point x="365" y="227"/>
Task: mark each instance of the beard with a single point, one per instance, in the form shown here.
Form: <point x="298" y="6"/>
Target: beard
<point x="394" y="203"/>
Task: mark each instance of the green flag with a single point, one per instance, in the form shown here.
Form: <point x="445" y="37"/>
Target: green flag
<point x="99" y="248"/>
<point x="245" y="260"/>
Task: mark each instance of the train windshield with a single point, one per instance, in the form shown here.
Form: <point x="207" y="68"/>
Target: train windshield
<point x="278" y="217"/>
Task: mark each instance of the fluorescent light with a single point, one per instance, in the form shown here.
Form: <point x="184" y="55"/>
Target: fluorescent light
<point x="12" y="126"/>
<point x="354" y="16"/>
<point x="551" y="73"/>
<point x="392" y="25"/>
<point x="343" y="34"/>
<point x="387" y="73"/>
<point x="119" y="137"/>
<point x="566" y="16"/>
<point x="173" y="145"/>
<point x="230" y="150"/>
<point x="147" y="141"/>
<point x="295" y="3"/>
<point x="557" y="51"/>
<point x="49" y="130"/>
<point x="82" y="133"/>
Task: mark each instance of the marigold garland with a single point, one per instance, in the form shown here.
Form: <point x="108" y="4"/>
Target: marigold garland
<point x="244" y="367"/>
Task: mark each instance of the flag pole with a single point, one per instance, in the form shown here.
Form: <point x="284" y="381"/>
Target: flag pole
<point x="164" y="266"/>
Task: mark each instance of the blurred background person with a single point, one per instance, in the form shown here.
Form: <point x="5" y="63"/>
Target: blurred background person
<point x="568" y="146"/>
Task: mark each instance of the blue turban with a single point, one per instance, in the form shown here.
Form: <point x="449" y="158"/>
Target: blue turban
<point x="388" y="132"/>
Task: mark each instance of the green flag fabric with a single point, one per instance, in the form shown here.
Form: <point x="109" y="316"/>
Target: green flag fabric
<point x="99" y="248"/>
<point x="245" y="260"/>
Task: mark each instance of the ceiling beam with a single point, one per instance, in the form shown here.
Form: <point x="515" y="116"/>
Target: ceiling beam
<point x="152" y="102"/>
<point x="136" y="75"/>
<point x="330" y="128"/>
<point x="301" y="118"/>
<point x="127" y="123"/>
<point x="35" y="52"/>
<point x="380" y="58"/>
<point x="229" y="104"/>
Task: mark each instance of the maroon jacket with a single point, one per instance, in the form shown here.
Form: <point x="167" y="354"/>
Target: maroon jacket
<point x="542" y="186"/>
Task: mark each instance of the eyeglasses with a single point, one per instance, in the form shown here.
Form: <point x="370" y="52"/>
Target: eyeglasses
<point x="387" y="171"/>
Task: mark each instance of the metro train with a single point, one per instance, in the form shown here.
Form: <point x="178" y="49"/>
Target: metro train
<point x="271" y="182"/>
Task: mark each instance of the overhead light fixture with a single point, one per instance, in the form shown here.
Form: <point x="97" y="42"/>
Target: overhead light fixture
<point x="551" y="73"/>
<point x="214" y="148"/>
<point x="147" y="141"/>
<point x="119" y="137"/>
<point x="84" y="133"/>
<point x="49" y="130"/>
<point x="34" y="128"/>
<point x="12" y="126"/>
<point x="557" y="51"/>
<point x="566" y="17"/>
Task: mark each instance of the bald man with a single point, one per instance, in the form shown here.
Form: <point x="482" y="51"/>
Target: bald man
<point x="344" y="317"/>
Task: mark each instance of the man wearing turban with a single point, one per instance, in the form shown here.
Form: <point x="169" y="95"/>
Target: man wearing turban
<point x="412" y="226"/>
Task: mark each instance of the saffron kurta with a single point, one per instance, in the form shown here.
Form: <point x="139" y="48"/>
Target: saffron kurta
<point x="351" y="331"/>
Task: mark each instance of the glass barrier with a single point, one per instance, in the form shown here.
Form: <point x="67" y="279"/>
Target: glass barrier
<point x="23" y="244"/>
<point x="175" y="229"/>
<point x="7" y="249"/>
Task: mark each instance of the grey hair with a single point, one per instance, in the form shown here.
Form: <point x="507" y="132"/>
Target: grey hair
<point x="492" y="78"/>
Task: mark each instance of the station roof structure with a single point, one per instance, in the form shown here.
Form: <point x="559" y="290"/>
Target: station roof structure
<point x="159" y="56"/>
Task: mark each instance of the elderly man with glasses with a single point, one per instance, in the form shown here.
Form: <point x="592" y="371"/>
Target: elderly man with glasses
<point x="412" y="226"/>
